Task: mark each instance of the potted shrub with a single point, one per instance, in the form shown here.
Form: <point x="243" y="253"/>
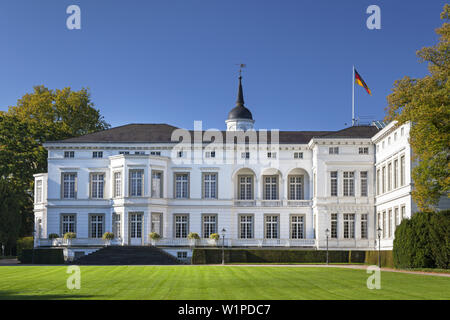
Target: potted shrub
<point x="154" y="237"/>
<point x="214" y="238"/>
<point x="69" y="236"/>
<point x="193" y="237"/>
<point x="108" y="237"/>
<point x="54" y="237"/>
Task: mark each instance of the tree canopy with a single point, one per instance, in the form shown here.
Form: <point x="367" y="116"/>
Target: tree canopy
<point x="425" y="102"/>
<point x="41" y="116"/>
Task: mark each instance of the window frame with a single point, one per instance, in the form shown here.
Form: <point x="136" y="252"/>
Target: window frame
<point x="216" y="183"/>
<point x="75" y="185"/>
<point x="187" y="183"/>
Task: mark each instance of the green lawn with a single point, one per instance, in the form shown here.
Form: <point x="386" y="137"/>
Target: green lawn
<point x="215" y="282"/>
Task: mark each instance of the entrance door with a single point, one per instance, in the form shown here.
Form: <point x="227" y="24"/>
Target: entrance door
<point x="135" y="223"/>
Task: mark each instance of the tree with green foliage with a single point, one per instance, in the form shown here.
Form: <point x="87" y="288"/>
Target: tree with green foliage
<point x="423" y="241"/>
<point x="425" y="102"/>
<point x="41" y="116"/>
<point x="9" y="214"/>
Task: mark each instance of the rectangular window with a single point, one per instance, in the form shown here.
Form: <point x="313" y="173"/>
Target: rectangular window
<point x="384" y="225"/>
<point x="124" y="152"/>
<point x="389" y="223"/>
<point x="383" y="180"/>
<point x="210" y="154"/>
<point x="157" y="184"/>
<point x="378" y="220"/>
<point x="363" y="150"/>
<point x="69" y="185"/>
<point x="349" y="184"/>
<point x="117" y="184"/>
<point x="270" y="188"/>
<point x="334" y="183"/>
<point x="389" y="177"/>
<point x="378" y="182"/>
<point x="363" y="175"/>
<point x="246" y="226"/>
<point x="96" y="226"/>
<point x="402" y="170"/>
<point x="334" y="226"/>
<point x="333" y="150"/>
<point x="298" y="155"/>
<point x="364" y="226"/>
<point x="297" y="227"/>
<point x="296" y="188"/>
<point x="97" y="185"/>
<point x="38" y="197"/>
<point x="403" y="212"/>
<point x="68" y="224"/>
<point x="245" y="155"/>
<point x="69" y="154"/>
<point x="349" y="226"/>
<point x="272" y="155"/>
<point x="245" y="187"/>
<point x="396" y="217"/>
<point x="180" y="154"/>
<point x="209" y="225"/>
<point x="271" y="227"/>
<point x="97" y="154"/>
<point x="210" y="185"/>
<point x="181" y="226"/>
<point x="181" y="186"/>
<point x="395" y="173"/>
<point x="139" y="153"/>
<point x="116" y="225"/>
<point x="155" y="153"/>
<point x="136" y="183"/>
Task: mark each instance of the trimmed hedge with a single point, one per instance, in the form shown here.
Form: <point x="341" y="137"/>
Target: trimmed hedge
<point x="42" y="256"/>
<point x="387" y="258"/>
<point x="423" y="241"/>
<point x="214" y="256"/>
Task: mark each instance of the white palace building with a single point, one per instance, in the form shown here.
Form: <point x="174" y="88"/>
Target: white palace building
<point x="261" y="188"/>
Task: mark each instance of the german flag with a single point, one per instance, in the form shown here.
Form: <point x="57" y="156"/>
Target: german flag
<point x="361" y="82"/>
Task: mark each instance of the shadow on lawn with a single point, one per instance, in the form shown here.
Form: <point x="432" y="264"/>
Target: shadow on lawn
<point x="15" y="295"/>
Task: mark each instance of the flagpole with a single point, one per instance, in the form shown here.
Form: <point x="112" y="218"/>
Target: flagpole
<point x="353" y="97"/>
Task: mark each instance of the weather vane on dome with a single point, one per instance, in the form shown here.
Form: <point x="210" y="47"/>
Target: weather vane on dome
<point x="241" y="66"/>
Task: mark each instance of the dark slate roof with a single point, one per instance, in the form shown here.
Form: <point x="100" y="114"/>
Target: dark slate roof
<point x="161" y="133"/>
<point x="365" y="131"/>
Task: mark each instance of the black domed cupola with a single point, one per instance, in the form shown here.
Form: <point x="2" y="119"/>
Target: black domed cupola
<point x="240" y="118"/>
<point x="240" y="111"/>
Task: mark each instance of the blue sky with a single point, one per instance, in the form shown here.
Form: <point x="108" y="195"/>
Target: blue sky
<point x="173" y="61"/>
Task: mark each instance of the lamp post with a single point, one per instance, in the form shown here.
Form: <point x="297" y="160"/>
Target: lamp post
<point x="327" y="233"/>
<point x="223" y="245"/>
<point x="379" y="246"/>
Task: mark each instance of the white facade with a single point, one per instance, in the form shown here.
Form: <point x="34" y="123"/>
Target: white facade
<point x="301" y="190"/>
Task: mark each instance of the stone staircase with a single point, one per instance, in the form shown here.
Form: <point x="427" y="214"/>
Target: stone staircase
<point x="128" y="255"/>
